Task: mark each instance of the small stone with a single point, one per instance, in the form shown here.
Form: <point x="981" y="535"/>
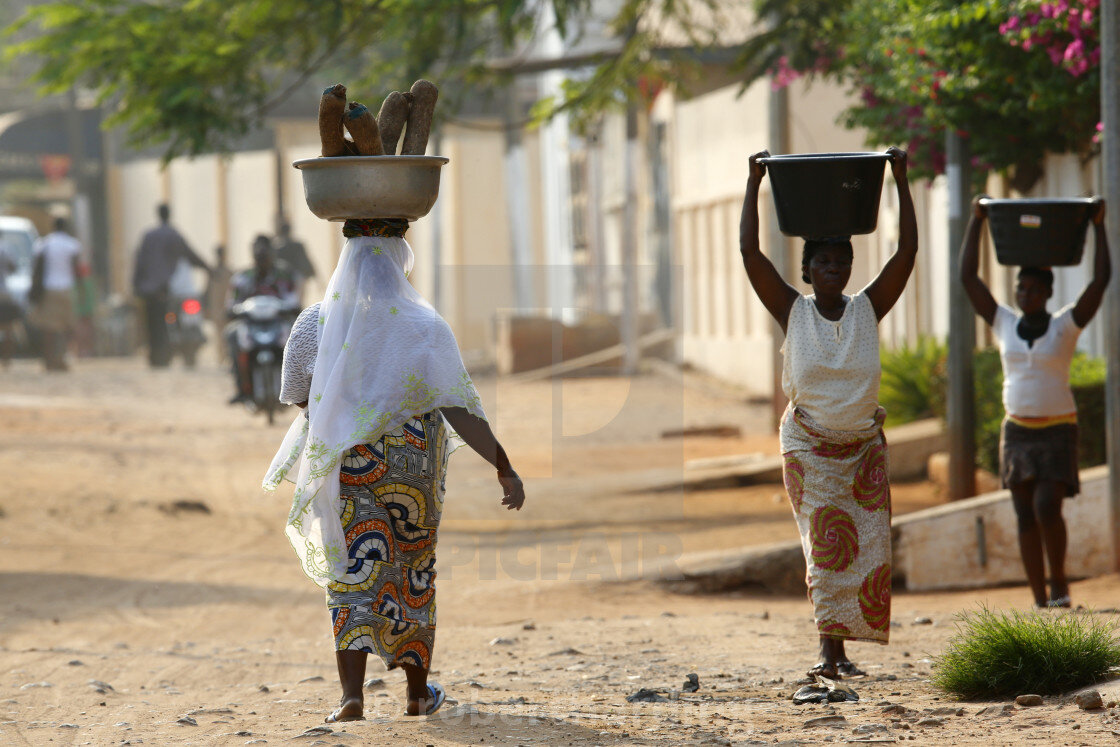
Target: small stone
<point x="834" y="720"/>
<point x="314" y="678"/>
<point x="931" y="722"/>
<point x="870" y="729"/>
<point x="187" y="721"/>
<point x="75" y="663"/>
<point x="997" y="710"/>
<point x="1028" y="700"/>
<point x="99" y="686"/>
<point x="944" y="711"/>
<point x="922" y="621"/>
<point x="31" y="685"/>
<point x="894" y="708"/>
<point x="315" y="731"/>
<point x="263" y="688"/>
<point x="68" y="726"/>
<point x="529" y="626"/>
<point x="1089" y="700"/>
<point x="375" y="683"/>
<point x="499" y="641"/>
<point x="567" y="652"/>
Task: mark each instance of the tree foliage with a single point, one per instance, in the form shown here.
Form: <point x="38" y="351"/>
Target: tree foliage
<point x="191" y="75"/>
<point x="1018" y="79"/>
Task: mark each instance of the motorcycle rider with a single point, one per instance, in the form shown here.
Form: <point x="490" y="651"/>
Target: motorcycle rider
<point x="267" y="277"/>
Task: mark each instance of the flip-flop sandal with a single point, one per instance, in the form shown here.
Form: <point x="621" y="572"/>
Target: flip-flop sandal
<point x="849" y="669"/>
<point x="824" y="669"/>
<point x="437" y="696"/>
<point x="1060" y="602"/>
<point x="334" y="718"/>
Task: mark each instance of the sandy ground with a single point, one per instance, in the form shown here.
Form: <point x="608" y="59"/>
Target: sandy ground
<point x="147" y="594"/>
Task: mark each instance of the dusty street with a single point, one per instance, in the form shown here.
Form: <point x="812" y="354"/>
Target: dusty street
<point x="148" y="595"/>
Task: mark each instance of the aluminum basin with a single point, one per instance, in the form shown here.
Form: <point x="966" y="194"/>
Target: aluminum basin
<point x="370" y="186"/>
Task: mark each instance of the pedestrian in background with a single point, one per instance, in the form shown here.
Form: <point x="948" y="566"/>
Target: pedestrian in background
<point x="1038" y="438"/>
<point x="160" y="251"/>
<point x="294" y="254"/>
<point x="57" y="267"/>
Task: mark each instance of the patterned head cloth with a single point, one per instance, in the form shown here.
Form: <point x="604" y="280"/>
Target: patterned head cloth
<point x="385" y="355"/>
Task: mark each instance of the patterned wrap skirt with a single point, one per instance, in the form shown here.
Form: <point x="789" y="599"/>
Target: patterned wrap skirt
<point x="391" y="499"/>
<point x="838" y="486"/>
<point x="1048" y="454"/>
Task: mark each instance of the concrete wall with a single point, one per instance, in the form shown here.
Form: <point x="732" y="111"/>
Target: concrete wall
<point x="974" y="543"/>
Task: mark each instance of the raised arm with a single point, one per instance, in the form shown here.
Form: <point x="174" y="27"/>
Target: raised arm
<point x="477" y="434"/>
<point x="977" y="291"/>
<point x="885" y="289"/>
<point x="775" y="293"/>
<point x="1090" y="299"/>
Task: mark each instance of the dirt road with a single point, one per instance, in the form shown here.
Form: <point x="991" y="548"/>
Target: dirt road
<point x="147" y="594"/>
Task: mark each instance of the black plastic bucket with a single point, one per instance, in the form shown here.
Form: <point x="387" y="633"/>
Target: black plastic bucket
<point x="1039" y="232"/>
<point x="819" y="195"/>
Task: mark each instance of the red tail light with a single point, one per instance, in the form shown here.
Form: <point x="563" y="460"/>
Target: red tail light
<point x="191" y="306"/>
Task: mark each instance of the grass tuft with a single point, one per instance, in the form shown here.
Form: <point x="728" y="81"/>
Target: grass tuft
<point x="1002" y="654"/>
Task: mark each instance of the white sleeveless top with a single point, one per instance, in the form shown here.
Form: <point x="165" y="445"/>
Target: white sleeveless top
<point x="831" y="369"/>
<point x="1036" y="377"/>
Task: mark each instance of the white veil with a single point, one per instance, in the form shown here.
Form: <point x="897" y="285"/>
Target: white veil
<point x="385" y="355"/>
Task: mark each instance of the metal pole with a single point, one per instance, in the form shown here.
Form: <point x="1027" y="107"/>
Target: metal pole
<point x="629" y="248"/>
<point x="1110" y="116"/>
<point x="962" y="330"/>
<point x="778" y="247"/>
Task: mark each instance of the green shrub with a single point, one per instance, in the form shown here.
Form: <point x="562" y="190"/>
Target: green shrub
<point x="915" y="380"/>
<point x="1004" y="654"/>
<point x="913" y="383"/>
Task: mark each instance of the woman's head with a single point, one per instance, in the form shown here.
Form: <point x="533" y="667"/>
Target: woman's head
<point x="1033" y="288"/>
<point x="827" y="264"/>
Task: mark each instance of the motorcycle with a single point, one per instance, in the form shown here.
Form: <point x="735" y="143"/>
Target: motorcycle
<point x="184" y="315"/>
<point x="265" y="324"/>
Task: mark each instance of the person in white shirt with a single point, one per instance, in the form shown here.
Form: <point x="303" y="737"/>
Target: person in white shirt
<point x="835" y="456"/>
<point x="1038" y="439"/>
<point x="57" y="267"/>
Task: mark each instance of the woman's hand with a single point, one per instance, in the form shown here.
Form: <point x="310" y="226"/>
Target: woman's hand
<point x="513" y="490"/>
<point x="979" y="209"/>
<point x="897" y="157"/>
<point x="758" y="170"/>
<point x="1098" y="211"/>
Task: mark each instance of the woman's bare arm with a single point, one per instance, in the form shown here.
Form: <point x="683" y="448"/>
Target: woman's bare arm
<point x="885" y="289"/>
<point x="775" y="293"/>
<point x="1090" y="299"/>
<point x="977" y="291"/>
<point x="477" y="434"/>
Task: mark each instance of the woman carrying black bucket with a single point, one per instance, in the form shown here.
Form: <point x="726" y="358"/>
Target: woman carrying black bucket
<point x="832" y="441"/>
<point x="1038" y="439"/>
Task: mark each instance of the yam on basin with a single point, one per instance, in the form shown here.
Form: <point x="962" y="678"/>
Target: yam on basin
<point x="818" y="195"/>
<point x="1039" y="232"/>
<point x="371" y="186"/>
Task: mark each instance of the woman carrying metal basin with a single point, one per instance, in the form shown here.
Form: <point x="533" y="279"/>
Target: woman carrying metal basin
<point x="832" y="432"/>
<point x="1038" y="439"/>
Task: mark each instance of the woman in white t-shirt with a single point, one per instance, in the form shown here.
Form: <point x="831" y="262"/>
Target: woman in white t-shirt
<point x="835" y="456"/>
<point x="1038" y="439"/>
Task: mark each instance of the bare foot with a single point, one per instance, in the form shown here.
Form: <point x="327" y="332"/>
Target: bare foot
<point x="348" y="710"/>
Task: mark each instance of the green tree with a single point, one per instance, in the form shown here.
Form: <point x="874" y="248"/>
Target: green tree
<point x="189" y="75"/>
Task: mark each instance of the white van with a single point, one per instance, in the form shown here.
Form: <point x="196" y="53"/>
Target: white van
<point x="17" y="241"/>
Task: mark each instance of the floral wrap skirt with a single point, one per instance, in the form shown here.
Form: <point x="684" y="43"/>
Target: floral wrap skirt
<point x="838" y="486"/>
<point x="390" y="501"/>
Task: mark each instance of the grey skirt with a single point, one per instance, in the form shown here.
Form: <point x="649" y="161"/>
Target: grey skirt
<point x="1049" y="454"/>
